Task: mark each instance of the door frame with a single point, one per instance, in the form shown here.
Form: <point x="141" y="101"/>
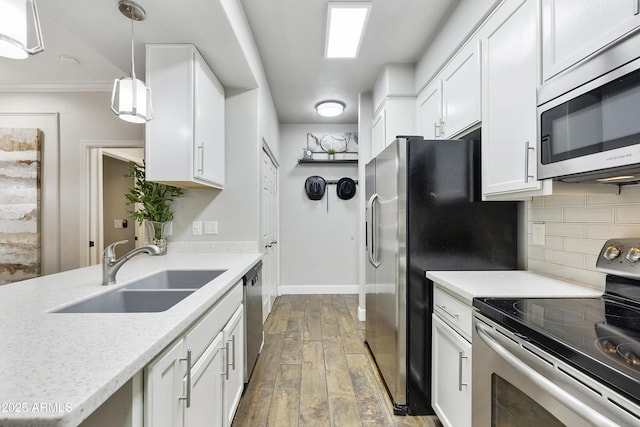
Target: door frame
<point x="91" y="221"/>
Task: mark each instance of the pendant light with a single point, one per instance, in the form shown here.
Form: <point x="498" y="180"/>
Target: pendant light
<point x="14" y="27"/>
<point x="131" y="98"/>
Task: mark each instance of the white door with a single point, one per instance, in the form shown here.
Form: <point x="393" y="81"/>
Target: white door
<point x="451" y="383"/>
<point x="429" y="111"/>
<point x="269" y="215"/>
<point x="205" y="407"/>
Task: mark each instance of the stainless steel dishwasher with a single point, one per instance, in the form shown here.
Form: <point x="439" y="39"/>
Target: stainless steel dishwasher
<point x="252" y="286"/>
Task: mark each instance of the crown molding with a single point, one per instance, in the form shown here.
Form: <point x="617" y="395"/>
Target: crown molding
<point x="59" y="87"/>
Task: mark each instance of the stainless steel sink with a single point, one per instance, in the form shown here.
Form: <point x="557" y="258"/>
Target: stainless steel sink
<point x="123" y="301"/>
<point x="175" y="279"/>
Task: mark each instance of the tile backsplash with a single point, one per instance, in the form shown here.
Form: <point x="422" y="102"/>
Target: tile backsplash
<point x="576" y="228"/>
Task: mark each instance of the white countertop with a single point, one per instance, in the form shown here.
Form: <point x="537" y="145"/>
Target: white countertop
<point x="74" y="362"/>
<point x="508" y="284"/>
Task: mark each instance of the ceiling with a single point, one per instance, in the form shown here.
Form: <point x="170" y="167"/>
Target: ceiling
<point x="289" y="34"/>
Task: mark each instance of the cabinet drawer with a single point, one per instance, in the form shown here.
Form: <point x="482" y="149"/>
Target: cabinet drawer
<point x="205" y="330"/>
<point x="454" y="312"/>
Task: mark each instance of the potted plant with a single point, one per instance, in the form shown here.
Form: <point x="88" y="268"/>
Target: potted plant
<point x="153" y="209"/>
<point x="332" y="153"/>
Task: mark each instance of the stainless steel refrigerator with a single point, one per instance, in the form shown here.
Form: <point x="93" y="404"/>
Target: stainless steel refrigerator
<point x="424" y="213"/>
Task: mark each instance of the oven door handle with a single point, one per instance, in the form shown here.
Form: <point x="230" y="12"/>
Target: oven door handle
<point x="571" y="402"/>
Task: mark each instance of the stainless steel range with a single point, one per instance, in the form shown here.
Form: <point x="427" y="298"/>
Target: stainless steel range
<point x="562" y="361"/>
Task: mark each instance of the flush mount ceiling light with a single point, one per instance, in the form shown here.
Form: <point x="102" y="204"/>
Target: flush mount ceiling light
<point x="346" y="21"/>
<point x="15" y="19"/>
<point x="330" y="108"/>
<point x="131" y="98"/>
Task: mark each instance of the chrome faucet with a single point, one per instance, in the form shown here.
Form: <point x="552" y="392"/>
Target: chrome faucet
<point x="111" y="265"/>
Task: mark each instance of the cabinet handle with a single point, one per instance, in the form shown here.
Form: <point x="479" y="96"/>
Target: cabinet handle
<point x="460" y="383"/>
<point x="527" y="149"/>
<point x="444" y="308"/>
<point x="233" y="352"/>
<point x="441" y="128"/>
<point x="188" y="396"/>
<point x="636" y="7"/>
<point x="201" y="168"/>
<point x="227" y="364"/>
<point x="436" y="127"/>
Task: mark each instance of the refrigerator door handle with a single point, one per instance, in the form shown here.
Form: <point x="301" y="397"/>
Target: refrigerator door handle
<point x="371" y="248"/>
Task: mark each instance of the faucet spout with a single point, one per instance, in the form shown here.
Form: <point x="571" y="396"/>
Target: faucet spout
<point x="111" y="265"/>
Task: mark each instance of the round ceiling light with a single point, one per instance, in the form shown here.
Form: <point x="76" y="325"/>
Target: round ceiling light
<point x="330" y="108"/>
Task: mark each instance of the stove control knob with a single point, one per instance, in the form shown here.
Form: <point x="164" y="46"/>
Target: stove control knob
<point x="611" y="253"/>
<point x="633" y="255"/>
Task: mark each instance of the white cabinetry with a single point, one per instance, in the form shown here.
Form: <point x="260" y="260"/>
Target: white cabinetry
<point x="234" y="371"/>
<point x="509" y="82"/>
<point x="575" y="30"/>
<point x="450" y="104"/>
<point x="451" y="360"/>
<point x="197" y="380"/>
<point x="395" y="117"/>
<point x="185" y="142"/>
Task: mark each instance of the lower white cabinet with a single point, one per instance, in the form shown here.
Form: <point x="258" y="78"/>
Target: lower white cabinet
<point x="234" y="370"/>
<point x="199" y="378"/>
<point x="451" y="383"/>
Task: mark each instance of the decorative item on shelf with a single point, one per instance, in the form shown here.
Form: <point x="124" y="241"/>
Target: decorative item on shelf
<point x="152" y="206"/>
<point x="346" y="144"/>
<point x="332" y="153"/>
<point x="307" y="154"/>
<point x="19" y="18"/>
<point x="131" y="98"/>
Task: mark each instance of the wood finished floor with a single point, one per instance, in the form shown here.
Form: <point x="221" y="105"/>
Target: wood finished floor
<point x="314" y="370"/>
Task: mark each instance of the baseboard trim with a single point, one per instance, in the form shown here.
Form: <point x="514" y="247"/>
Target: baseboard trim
<point x="317" y="289"/>
<point x="362" y="314"/>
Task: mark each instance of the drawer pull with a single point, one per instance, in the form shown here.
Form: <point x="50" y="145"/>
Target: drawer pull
<point x="444" y="308"/>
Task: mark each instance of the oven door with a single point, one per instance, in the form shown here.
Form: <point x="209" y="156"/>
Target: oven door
<point x="517" y="384"/>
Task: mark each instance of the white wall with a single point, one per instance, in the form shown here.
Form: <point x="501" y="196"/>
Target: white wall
<point x="83" y="116"/>
<point x="318" y="248"/>
<point x="577" y="228"/>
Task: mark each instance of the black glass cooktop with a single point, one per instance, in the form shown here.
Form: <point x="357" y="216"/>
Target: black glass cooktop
<point x="599" y="336"/>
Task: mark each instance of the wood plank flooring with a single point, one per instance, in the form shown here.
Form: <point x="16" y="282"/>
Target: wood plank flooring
<point x="314" y="370"/>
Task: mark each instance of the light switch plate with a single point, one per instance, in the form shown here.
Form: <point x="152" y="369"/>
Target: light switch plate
<point x="539" y="231"/>
<point x="117" y="223"/>
<point x="196" y="228"/>
<point x="211" y="227"/>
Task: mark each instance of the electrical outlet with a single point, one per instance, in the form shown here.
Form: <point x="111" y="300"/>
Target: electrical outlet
<point x="538" y="234"/>
<point x="211" y="227"/>
<point x="196" y="228"/>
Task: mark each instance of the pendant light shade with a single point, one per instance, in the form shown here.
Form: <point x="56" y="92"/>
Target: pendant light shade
<point x="16" y="18"/>
<point x="131" y="98"/>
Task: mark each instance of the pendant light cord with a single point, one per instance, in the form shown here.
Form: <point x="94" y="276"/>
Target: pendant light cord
<point x="133" y="61"/>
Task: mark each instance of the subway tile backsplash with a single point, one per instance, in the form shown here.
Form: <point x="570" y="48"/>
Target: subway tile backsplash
<point x="576" y="228"/>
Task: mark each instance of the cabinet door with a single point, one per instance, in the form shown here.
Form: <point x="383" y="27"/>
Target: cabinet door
<point x="575" y="29"/>
<point x="461" y="91"/>
<point x="509" y="83"/>
<point x="234" y="372"/>
<point x="165" y="388"/>
<point x="205" y="409"/>
<point x="451" y="383"/>
<point x="378" y="133"/>
<point x="209" y="143"/>
<point x="429" y="111"/>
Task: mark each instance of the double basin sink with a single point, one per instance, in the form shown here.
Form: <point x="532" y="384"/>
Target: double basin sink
<point x="151" y="294"/>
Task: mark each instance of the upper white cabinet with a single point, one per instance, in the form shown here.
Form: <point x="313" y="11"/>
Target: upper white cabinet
<point x="509" y="82"/>
<point x="394" y="106"/>
<point x="185" y="142"/>
<point x="450" y="104"/>
<point x="578" y="29"/>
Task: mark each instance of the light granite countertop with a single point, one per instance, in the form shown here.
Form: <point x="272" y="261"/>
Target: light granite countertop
<point x="511" y="283"/>
<point x="57" y="368"/>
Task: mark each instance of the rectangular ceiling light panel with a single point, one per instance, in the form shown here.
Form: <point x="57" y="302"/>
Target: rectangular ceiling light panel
<point x="345" y="25"/>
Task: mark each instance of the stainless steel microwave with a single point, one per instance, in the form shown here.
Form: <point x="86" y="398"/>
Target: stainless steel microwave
<point x="592" y="133"/>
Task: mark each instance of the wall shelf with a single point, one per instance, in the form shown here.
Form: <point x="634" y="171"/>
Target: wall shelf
<point x="327" y="161"/>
